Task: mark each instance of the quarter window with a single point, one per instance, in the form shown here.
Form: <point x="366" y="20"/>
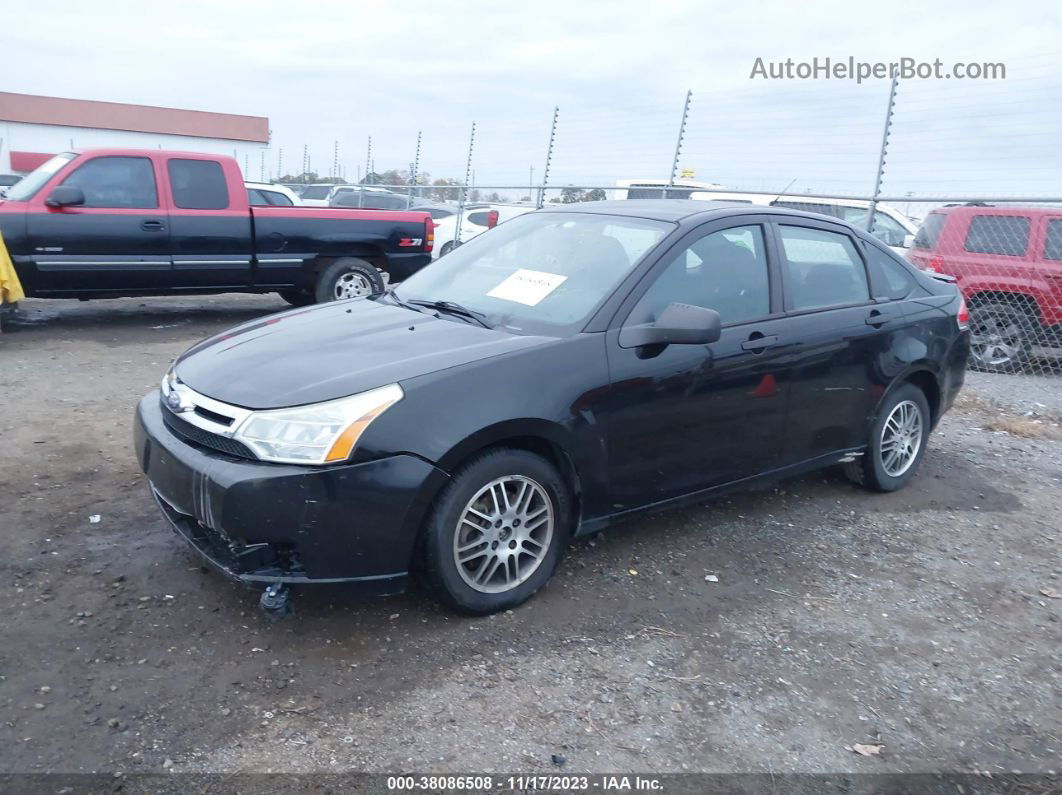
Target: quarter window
<point x="823" y="269"/>
<point x="1053" y="243"/>
<point x="998" y="234"/>
<point x="198" y="184"/>
<point x="725" y="271"/>
<point x="125" y="182"/>
<point x="890" y="278"/>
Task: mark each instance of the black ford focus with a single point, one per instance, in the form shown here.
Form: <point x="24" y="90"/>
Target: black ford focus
<point x="570" y="367"/>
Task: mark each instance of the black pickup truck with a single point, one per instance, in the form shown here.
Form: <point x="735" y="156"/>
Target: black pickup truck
<point x="114" y="222"/>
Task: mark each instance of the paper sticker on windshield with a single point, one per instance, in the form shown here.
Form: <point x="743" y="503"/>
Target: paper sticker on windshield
<point x="527" y="287"/>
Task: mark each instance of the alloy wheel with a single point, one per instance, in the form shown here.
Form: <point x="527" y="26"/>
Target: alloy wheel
<point x="901" y="438"/>
<point x="503" y="534"/>
<point x="995" y="340"/>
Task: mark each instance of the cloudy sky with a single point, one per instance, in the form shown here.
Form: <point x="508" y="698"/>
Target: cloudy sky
<point x="340" y="71"/>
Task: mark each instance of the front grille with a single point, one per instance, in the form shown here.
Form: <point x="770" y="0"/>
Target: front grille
<point x="203" y="438"/>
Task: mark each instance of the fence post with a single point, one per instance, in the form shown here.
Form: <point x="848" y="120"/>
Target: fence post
<point x="678" y="145"/>
<point x="261" y="168"/>
<point x="368" y="167"/>
<point x="549" y="157"/>
<point x="280" y="163"/>
<point x="413" y="174"/>
<point x="881" y="155"/>
<point x="464" y="188"/>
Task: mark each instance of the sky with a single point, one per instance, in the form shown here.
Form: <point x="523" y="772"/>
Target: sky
<point x="334" y="73"/>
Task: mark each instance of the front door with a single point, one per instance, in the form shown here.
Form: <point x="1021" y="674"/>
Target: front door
<point x="689" y="417"/>
<point x="118" y="239"/>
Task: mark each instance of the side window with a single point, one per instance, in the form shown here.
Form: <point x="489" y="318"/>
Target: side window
<point x="725" y="271"/>
<point x="889" y="277"/>
<point x="126" y="182"/>
<point x="256" y="198"/>
<point x="277" y="199"/>
<point x="998" y="234"/>
<point x="1053" y="243"/>
<point x="823" y="269"/>
<point x="198" y="184"/>
<point x="478" y="218"/>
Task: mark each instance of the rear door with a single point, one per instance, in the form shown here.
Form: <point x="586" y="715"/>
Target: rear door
<point x="118" y="240"/>
<point x="210" y="223"/>
<point x="843" y="337"/>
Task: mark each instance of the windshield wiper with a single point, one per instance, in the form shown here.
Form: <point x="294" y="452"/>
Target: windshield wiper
<point x="454" y="308"/>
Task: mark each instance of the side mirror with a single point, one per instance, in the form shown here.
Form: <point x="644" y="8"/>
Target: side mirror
<point x="65" y="196"/>
<point x="678" y="324"/>
<point x="908" y="241"/>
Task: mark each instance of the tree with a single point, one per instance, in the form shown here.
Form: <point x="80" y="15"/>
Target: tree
<point x="595" y="195"/>
<point x="441" y="191"/>
<point x="571" y="195"/>
<point x="494" y="197"/>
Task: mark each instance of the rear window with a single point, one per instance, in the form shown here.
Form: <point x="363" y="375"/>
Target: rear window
<point x="277" y="199"/>
<point x="316" y="191"/>
<point x="1053" y="243"/>
<point x="479" y="218"/>
<point x="198" y="184"/>
<point x="929" y="232"/>
<point x="998" y="234"/>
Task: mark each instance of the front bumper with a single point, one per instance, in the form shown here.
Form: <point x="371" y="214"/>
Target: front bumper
<point x="268" y="523"/>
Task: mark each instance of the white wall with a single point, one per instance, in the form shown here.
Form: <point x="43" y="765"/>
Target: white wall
<point x="48" y="138"/>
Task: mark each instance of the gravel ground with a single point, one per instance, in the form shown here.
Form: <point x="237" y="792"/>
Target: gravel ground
<point x="766" y="632"/>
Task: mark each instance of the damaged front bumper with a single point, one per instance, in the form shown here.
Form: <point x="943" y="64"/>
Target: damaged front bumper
<point x="275" y="523"/>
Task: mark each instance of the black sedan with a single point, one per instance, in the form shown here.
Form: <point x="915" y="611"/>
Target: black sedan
<point x="571" y="367"/>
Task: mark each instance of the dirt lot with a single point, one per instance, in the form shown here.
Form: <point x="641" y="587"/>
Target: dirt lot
<point x="926" y="621"/>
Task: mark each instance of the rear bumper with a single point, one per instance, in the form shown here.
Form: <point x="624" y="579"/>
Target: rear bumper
<point x="954" y="371"/>
<point x="269" y="523"/>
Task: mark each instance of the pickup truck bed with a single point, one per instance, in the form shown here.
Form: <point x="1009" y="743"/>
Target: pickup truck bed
<point x="113" y="222"/>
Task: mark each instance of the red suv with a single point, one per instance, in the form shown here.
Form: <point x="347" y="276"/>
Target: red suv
<point x="1008" y="263"/>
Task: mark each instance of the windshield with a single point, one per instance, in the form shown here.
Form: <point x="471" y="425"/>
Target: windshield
<point x="28" y="186"/>
<point x="317" y="192"/>
<point x="540" y="273"/>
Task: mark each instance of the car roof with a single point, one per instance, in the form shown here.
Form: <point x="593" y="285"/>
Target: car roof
<point x="675" y="210"/>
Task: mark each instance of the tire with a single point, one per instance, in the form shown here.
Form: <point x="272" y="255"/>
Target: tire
<point x="447" y="247"/>
<point x="348" y="277"/>
<point x="1001" y="337"/>
<point x="879" y="472"/>
<point x="506" y="578"/>
<point x="296" y="297"/>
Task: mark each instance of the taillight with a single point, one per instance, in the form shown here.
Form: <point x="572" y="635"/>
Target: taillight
<point x="429" y="234"/>
<point x="935" y="264"/>
<point x="963" y="316"/>
<point x="492" y="219"/>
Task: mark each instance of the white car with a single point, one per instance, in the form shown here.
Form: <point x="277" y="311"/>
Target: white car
<point x="475" y="221"/>
<point x="321" y="194"/>
<point x="266" y="194"/>
<point x="891" y="227"/>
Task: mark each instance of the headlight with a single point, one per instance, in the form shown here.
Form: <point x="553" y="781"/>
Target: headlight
<point x="319" y="434"/>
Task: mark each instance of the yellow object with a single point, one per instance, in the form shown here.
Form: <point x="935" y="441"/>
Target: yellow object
<point x="10" y="287"/>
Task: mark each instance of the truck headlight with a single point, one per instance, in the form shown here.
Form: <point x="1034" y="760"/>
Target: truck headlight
<point x="322" y="433"/>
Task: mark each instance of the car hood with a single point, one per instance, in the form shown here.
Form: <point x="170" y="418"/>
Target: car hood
<point x="334" y="350"/>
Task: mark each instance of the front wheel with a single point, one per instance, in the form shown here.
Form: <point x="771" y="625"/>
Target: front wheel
<point x="497" y="531"/>
<point x="346" y="278"/>
<point x="897" y="442"/>
<point x="296" y="297"/>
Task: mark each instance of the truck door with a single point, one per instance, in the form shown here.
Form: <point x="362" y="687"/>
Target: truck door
<point x="118" y="239"/>
<point x="210" y="223"/>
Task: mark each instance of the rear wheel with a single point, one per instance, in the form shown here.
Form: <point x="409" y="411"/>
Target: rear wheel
<point x="1001" y="337"/>
<point x="447" y="247"/>
<point x="348" y="277"/>
<point x="897" y="442"/>
<point x="497" y="531"/>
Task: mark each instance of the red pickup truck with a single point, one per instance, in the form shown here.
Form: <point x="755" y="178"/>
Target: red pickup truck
<point x="113" y="222"/>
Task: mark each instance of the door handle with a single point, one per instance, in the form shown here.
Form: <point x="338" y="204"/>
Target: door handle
<point x="758" y="342"/>
<point x="152" y="226"/>
<point x="878" y="319"/>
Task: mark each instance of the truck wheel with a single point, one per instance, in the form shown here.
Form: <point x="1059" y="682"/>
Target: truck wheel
<point x="348" y="277"/>
<point x="1000" y="338"/>
<point x="296" y="297"/>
